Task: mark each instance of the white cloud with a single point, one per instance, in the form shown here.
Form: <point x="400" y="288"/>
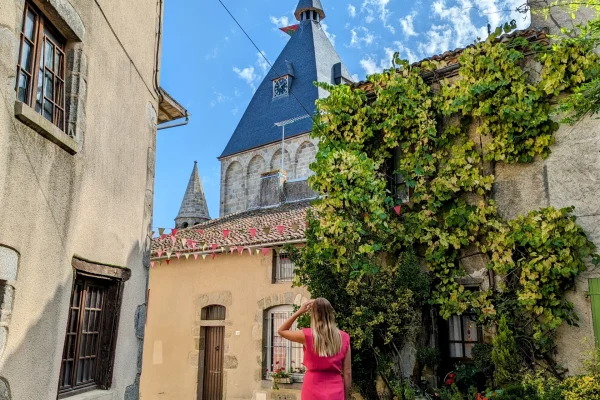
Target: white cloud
<point x="463" y="30"/>
<point x="407" y="24"/>
<point x="371" y="65"/>
<point x="380" y="7"/>
<point x="406" y="53"/>
<point x="439" y="38"/>
<point x="351" y="10"/>
<point x="355" y="78"/>
<point x="331" y="36"/>
<point x="250" y="74"/>
<point x="237" y="93"/>
<point x="212" y="55"/>
<point x="360" y="36"/>
<point x="247" y="74"/>
<point x="280" y="22"/>
<point x="261" y="62"/>
<point x="235" y="110"/>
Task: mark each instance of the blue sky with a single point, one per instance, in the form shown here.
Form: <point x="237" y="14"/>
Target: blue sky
<point x="211" y="68"/>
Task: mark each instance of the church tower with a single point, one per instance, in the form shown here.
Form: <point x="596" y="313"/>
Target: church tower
<point x="287" y="92"/>
<point x="193" y="208"/>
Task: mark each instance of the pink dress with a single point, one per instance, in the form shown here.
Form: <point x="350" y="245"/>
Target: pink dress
<point x="323" y="379"/>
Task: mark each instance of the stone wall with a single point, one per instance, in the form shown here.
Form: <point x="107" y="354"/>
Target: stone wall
<point x="86" y="192"/>
<point x="240" y="173"/>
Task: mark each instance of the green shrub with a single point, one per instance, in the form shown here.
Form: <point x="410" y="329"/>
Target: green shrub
<point x="482" y="358"/>
<point x="505" y="356"/>
<point x="581" y="387"/>
<point x="428" y="356"/>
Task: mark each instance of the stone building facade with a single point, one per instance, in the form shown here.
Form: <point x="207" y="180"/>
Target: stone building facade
<point x="77" y="158"/>
<point x="240" y="173"/>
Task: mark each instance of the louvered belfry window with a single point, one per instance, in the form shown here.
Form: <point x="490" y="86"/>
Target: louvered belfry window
<point x="40" y="81"/>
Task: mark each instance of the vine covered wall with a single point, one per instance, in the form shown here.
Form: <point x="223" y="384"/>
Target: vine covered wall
<point x="449" y="137"/>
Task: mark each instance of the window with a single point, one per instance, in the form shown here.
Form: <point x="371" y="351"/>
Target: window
<point x="397" y="184"/>
<point x="283" y="268"/>
<point x="90" y="338"/>
<point x="280" y="352"/>
<point x="40" y="79"/>
<point x="463" y="334"/>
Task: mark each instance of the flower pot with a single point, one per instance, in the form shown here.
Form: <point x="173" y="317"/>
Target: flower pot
<point x="298" y="377"/>
<point x="284" y="380"/>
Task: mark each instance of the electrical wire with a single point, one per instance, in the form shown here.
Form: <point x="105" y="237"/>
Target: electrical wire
<point x="263" y="56"/>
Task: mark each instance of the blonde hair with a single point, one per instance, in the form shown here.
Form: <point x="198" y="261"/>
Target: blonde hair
<point x="326" y="335"/>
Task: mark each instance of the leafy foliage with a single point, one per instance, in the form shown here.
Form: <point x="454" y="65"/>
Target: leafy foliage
<point x="505" y="356"/>
<point x="361" y="256"/>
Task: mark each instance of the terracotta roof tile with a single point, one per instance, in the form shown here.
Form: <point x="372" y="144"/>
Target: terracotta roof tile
<point x="291" y="216"/>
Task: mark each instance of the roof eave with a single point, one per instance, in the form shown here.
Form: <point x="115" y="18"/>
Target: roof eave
<point x="169" y="109"/>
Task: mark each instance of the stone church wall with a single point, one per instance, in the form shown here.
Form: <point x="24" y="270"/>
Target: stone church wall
<point x="240" y="173"/>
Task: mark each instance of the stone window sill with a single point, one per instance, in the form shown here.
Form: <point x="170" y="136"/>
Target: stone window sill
<point x="41" y="125"/>
<point x="93" y="395"/>
<point x="268" y="384"/>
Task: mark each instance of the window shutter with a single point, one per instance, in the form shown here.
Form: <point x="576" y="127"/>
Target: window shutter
<point x="595" y="295"/>
<point x="108" y="342"/>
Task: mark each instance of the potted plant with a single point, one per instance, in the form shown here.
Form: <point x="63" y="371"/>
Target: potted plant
<point x="280" y="375"/>
<point x="298" y="373"/>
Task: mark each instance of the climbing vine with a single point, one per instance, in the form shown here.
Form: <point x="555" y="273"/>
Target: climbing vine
<point x="445" y="137"/>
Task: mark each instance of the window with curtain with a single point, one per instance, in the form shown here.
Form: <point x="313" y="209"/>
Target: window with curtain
<point x="281" y="353"/>
<point x="463" y="334"/>
<point x="40" y="79"/>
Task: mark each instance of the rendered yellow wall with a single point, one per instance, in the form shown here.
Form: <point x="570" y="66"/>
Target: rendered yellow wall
<point x="177" y="293"/>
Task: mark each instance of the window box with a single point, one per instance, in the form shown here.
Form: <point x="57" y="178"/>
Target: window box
<point x="298" y="377"/>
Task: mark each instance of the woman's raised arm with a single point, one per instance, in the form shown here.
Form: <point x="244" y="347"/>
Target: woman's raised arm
<point x="295" y="336"/>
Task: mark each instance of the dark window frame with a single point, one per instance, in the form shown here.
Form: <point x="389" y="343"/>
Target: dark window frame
<point x="464" y="342"/>
<point x="43" y="36"/>
<point x="112" y="281"/>
<point x="277" y="275"/>
<point x="273" y="318"/>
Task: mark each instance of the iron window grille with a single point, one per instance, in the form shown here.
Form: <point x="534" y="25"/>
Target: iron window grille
<point x="283" y="268"/>
<point x="40" y="81"/>
<point x="281" y="353"/>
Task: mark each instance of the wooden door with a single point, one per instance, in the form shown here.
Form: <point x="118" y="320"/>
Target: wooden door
<point x="213" y="363"/>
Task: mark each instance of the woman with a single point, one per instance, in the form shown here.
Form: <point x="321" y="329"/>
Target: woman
<point x="326" y="352"/>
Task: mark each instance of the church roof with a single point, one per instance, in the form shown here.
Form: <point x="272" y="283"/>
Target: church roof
<point x="292" y="216"/>
<point x="311" y="57"/>
<point x="194" y="203"/>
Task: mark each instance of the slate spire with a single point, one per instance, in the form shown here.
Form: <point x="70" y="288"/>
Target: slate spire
<point x="193" y="207"/>
<point x="308" y="57"/>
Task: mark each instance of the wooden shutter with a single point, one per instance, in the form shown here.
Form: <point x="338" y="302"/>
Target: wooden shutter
<point x="595" y="296"/>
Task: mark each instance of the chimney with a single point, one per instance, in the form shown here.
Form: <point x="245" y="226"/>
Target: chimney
<point x="271" y="188"/>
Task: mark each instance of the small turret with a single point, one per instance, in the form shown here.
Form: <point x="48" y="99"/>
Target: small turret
<point x="309" y="10"/>
<point x="193" y="207"/>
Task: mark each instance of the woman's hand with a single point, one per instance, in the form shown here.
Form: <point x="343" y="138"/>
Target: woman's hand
<point x="306" y="307"/>
<point x="295" y="336"/>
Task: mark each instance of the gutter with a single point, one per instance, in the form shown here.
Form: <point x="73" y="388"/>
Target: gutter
<point x="174" y="123"/>
<point x="220" y="250"/>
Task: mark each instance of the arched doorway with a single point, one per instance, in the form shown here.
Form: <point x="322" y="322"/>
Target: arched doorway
<point x="210" y="368"/>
